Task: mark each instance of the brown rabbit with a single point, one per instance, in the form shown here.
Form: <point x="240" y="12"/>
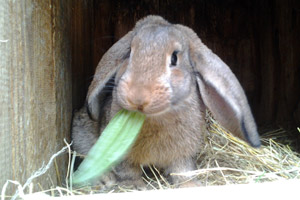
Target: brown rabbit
<point x="164" y="71"/>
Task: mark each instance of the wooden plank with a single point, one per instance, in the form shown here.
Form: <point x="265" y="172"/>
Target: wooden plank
<point x="270" y="190"/>
<point x="35" y="73"/>
<point x="5" y="104"/>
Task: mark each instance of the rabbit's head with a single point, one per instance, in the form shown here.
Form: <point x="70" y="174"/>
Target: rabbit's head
<point x="154" y="68"/>
<point x="156" y="76"/>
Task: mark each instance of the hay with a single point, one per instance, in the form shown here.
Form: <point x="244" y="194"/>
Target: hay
<point x="229" y="160"/>
<point x="224" y="160"/>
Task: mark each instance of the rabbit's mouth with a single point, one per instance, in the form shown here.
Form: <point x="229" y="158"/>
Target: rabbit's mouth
<point x="157" y="112"/>
<point x="150" y="110"/>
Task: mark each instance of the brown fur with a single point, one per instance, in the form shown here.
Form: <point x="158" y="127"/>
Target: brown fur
<point x="174" y="98"/>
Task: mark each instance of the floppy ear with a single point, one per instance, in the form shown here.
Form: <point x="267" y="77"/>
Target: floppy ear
<point x="102" y="85"/>
<point x="103" y="82"/>
<point x="220" y="90"/>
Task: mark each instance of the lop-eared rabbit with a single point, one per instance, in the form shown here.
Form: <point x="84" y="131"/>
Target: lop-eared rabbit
<point x="164" y="71"/>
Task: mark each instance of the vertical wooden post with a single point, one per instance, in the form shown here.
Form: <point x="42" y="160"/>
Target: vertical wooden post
<point x="35" y="87"/>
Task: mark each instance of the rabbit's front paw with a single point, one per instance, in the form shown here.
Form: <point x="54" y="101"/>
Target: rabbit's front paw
<point x="107" y="182"/>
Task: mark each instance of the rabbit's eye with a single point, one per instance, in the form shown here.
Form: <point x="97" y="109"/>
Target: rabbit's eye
<point x="174" y="58"/>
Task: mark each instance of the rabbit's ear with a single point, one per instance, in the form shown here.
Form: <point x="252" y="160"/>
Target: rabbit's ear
<point x="103" y="82"/>
<point x="220" y="90"/>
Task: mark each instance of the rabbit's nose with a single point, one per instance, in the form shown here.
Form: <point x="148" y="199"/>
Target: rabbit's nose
<point x="140" y="108"/>
<point x="138" y="103"/>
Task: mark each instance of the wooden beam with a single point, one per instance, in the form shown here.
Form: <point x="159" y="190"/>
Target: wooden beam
<point x="35" y="87"/>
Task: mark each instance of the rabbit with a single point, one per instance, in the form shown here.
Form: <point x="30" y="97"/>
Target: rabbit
<point x="164" y="71"/>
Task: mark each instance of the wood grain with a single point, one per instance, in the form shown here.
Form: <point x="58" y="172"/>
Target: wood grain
<point x="35" y="87"/>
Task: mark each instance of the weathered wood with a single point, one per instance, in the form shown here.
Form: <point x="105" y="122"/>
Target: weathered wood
<point x="35" y="89"/>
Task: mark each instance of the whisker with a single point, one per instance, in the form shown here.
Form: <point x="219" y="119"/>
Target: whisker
<point x="105" y="91"/>
<point x="110" y="83"/>
<point x="109" y="86"/>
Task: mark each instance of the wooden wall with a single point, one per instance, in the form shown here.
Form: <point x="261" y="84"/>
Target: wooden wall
<point x="258" y="39"/>
<point x="35" y="88"/>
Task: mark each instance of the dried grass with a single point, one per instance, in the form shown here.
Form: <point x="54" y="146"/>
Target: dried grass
<point x="228" y="160"/>
<point x="224" y="160"/>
